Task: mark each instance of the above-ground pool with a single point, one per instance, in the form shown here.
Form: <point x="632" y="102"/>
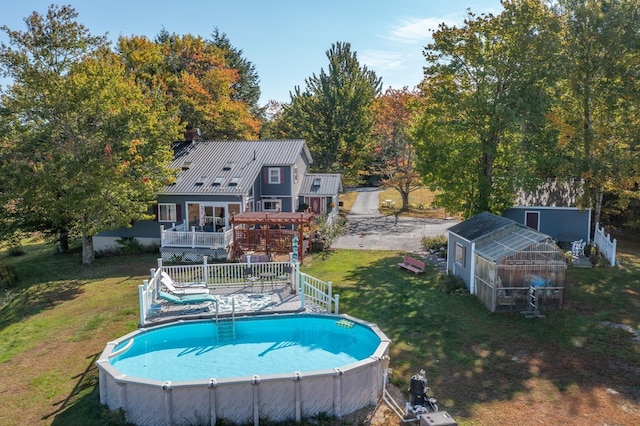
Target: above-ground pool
<point x="277" y="367"/>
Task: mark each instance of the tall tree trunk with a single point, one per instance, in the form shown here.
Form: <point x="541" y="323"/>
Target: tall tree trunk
<point x="598" y="206"/>
<point x="63" y="246"/>
<point x="405" y="199"/>
<point x="88" y="255"/>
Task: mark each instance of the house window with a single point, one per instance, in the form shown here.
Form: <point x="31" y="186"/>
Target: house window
<point x="274" y="175"/>
<point x="271" y="205"/>
<point x="461" y="252"/>
<point x="167" y="213"/>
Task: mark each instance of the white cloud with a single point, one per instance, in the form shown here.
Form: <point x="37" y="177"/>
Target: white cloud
<point x="412" y="30"/>
<point x="382" y="60"/>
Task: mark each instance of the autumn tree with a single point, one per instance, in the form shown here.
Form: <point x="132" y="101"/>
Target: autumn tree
<point x="484" y="134"/>
<point x="333" y="112"/>
<point x="599" y="99"/>
<point x="203" y="88"/>
<point x="89" y="149"/>
<point x="395" y="156"/>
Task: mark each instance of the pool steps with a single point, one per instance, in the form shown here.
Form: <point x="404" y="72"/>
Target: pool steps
<point x="345" y="323"/>
<point x="226" y="328"/>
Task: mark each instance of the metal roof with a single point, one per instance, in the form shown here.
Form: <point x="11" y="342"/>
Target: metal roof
<point x="480" y="225"/>
<point x="509" y="240"/>
<point x="229" y="167"/>
<point x="320" y="184"/>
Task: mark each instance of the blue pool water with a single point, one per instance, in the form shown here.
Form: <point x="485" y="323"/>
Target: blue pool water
<point x="192" y="351"/>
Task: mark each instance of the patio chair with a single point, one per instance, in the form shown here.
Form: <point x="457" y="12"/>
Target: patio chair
<point x="168" y="282"/>
<point x="285" y="275"/>
<point x="250" y="276"/>
<point x="188" y="300"/>
<point x="577" y="248"/>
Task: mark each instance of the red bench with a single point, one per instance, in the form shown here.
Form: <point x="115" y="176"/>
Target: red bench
<point x="413" y="265"/>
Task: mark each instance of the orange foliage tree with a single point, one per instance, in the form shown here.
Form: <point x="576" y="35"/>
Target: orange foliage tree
<point x="395" y="154"/>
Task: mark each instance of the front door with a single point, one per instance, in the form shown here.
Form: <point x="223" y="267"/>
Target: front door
<point x="315" y="203"/>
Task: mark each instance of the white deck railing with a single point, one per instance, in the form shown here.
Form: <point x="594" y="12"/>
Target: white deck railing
<point x="227" y="275"/>
<point x="176" y="236"/>
<point x="318" y="292"/>
<point x="604" y="244"/>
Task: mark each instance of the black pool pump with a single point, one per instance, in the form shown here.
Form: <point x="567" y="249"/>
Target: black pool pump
<point x="419" y="393"/>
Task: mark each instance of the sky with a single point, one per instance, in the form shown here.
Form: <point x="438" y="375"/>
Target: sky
<point x="286" y="40"/>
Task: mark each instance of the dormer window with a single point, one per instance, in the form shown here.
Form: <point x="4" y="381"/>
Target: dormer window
<point x="316" y="182"/>
<point x="234" y="181"/>
<point x="217" y="181"/>
<point x="228" y="166"/>
<point x="201" y="181"/>
<point x="186" y="165"/>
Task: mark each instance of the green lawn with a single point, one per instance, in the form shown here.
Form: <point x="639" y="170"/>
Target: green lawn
<point x="58" y="319"/>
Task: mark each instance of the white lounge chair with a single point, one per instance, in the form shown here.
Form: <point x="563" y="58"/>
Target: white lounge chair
<point x="188" y="300"/>
<point x="170" y="285"/>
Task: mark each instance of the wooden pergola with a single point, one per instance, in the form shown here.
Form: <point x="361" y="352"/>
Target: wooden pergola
<point x="270" y="232"/>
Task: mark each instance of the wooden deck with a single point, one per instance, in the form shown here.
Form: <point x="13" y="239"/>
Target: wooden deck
<point x="257" y="299"/>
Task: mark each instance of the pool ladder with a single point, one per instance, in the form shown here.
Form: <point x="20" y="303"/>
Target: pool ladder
<point x="227" y="327"/>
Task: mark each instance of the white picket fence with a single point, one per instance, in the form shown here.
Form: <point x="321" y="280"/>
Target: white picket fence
<point x="605" y="245"/>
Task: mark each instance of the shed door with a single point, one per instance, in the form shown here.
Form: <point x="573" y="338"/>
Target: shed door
<point x="532" y="220"/>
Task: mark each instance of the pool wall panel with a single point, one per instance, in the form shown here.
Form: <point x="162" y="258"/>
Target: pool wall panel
<point x="277" y="399"/>
<point x="235" y="401"/>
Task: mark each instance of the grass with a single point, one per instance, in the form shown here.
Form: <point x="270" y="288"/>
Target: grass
<point x="484" y="368"/>
<point x="420" y="203"/>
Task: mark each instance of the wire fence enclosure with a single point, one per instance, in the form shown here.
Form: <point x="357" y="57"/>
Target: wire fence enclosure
<point x="504" y="282"/>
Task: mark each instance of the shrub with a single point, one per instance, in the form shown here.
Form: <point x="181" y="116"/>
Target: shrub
<point x="8" y="277"/>
<point x="435" y="243"/>
<point x="451" y="284"/>
<point x="328" y="232"/>
<point x="129" y="246"/>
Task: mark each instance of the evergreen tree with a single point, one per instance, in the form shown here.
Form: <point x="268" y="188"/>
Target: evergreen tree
<point x="333" y="112"/>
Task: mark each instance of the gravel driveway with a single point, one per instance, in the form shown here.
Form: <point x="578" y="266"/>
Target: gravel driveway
<point x="367" y="229"/>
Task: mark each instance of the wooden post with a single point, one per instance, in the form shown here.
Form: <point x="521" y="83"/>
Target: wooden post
<point x="267" y="232"/>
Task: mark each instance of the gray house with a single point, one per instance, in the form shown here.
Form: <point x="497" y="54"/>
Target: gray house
<point x="500" y="260"/>
<point x="217" y="179"/>
<point x="553" y="209"/>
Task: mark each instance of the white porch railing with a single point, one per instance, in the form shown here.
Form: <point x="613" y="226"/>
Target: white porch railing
<point x="178" y="237"/>
<point x="605" y="245"/>
<point x="227" y="275"/>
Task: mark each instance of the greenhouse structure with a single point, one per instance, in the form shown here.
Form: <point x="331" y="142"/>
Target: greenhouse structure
<point x="509" y="266"/>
